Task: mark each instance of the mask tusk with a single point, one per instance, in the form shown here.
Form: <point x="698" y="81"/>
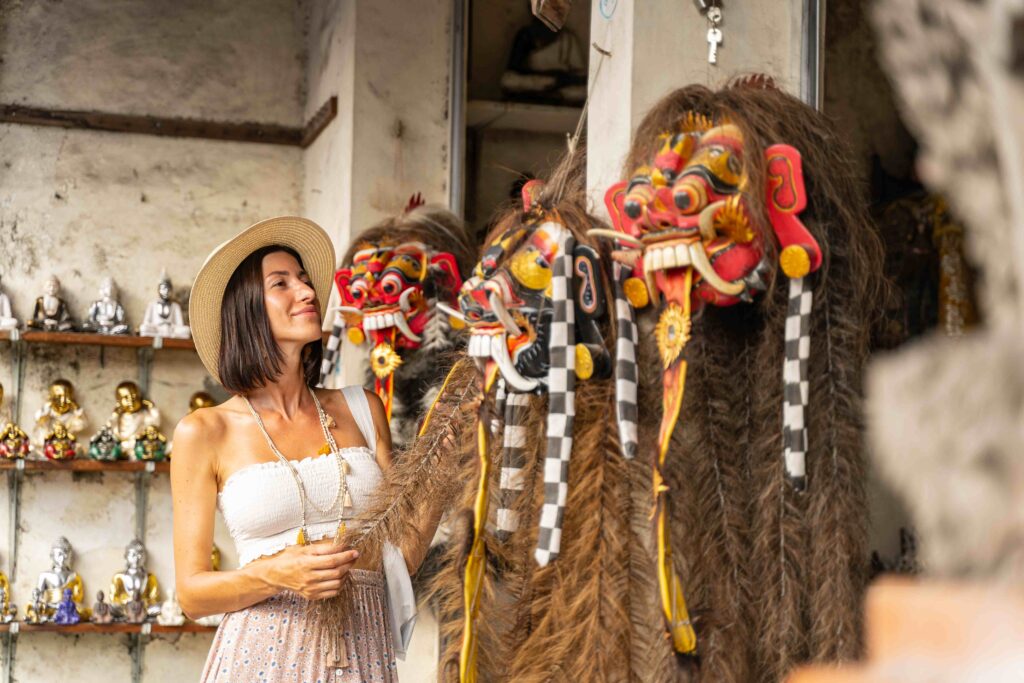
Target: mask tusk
<point x="614" y="235"/>
<point x="699" y="259"/>
<point x="707" y="220"/>
<point x="348" y="310"/>
<point x="403" y="301"/>
<point x="445" y="308"/>
<point x="498" y="306"/>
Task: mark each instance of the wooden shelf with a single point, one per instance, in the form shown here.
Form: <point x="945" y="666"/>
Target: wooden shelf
<point x="88" y="627"/>
<point x="92" y="339"/>
<point x="536" y="118"/>
<point x="85" y="465"/>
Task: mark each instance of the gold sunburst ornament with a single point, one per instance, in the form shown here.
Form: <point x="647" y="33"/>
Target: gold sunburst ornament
<point x="384" y="360"/>
<point x="672" y="333"/>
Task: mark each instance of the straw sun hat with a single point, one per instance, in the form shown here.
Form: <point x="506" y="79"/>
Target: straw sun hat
<point x="304" y="236"/>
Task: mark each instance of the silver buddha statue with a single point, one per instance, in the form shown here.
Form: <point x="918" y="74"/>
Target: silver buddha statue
<point x="51" y="584"/>
<point x="131" y="416"/>
<point x="60" y="406"/>
<point x="106" y="314"/>
<point x="134" y="583"/>
<point x="51" y="312"/>
<point x="164" y="317"/>
<point x="7" y="319"/>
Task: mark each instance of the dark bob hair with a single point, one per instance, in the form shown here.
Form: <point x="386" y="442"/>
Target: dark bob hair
<point x="249" y="356"/>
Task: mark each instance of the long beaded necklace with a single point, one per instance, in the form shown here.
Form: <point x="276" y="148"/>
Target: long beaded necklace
<point x="342" y="501"/>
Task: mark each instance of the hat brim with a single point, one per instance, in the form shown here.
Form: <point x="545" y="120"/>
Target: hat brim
<point x="308" y="239"/>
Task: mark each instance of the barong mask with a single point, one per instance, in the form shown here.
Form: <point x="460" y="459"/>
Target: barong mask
<point x="386" y="293"/>
<point x="687" y="237"/>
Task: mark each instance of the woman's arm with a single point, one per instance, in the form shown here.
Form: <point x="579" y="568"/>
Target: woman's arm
<point x="416" y="544"/>
<point x="313" y="571"/>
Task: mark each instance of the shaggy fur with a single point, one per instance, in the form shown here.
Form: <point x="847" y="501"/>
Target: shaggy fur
<point x="772" y="577"/>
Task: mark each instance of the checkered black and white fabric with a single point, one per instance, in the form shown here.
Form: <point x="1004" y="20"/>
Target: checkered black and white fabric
<point x="795" y="383"/>
<point x="626" y="338"/>
<point x="513" y="462"/>
<point x="561" y="386"/>
<point x="330" y="359"/>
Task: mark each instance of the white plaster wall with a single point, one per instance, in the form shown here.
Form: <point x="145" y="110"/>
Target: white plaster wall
<point x="86" y="204"/>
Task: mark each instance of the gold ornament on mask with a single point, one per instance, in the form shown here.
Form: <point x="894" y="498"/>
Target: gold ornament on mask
<point x="672" y="332"/>
<point x="384" y="360"/>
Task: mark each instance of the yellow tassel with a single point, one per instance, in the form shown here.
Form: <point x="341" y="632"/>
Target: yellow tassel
<point x="301" y="540"/>
<point x="348" y="500"/>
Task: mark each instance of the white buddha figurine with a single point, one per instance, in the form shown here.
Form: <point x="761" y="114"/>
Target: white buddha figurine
<point x="7" y="319"/>
<point x="106" y="314"/>
<point x="60" y="406"/>
<point x="163" y="316"/>
<point x="170" y="611"/>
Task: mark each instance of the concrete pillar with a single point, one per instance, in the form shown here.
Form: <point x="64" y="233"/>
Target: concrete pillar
<point x="659" y="45"/>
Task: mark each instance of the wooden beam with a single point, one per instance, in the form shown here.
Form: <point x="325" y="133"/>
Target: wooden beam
<point x="265" y="133"/>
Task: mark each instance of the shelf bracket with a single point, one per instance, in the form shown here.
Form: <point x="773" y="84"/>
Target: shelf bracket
<point x="145" y="368"/>
<point x="142" y="480"/>
<point x="10" y="643"/>
<point x="137" y="648"/>
<point x="14" y="478"/>
<point x="18" y="373"/>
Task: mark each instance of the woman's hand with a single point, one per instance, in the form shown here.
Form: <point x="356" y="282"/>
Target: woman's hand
<point x="313" y="571"/>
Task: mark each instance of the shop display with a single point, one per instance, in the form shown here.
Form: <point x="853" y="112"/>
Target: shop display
<point x="106" y="314"/>
<point x="66" y="613"/>
<point x="52" y="583"/>
<point x="51" y="312"/>
<point x="150" y="444"/>
<point x="164" y="317"/>
<point x="101" y="612"/>
<point x="60" y="406"/>
<point x="393" y="284"/>
<point x="132" y="415"/>
<point x="14" y="443"/>
<point x="60" y="444"/>
<point x="134" y="583"/>
<point x="35" y="611"/>
<point x="7" y="319"/>
<point x="170" y="611"/>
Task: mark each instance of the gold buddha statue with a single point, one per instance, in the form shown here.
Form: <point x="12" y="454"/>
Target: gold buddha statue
<point x="60" y="444"/>
<point x="14" y="442"/>
<point x="8" y="611"/>
<point x="60" y="407"/>
<point x="200" y="399"/>
<point x="51" y="584"/>
<point x="135" y="581"/>
<point x="132" y="415"/>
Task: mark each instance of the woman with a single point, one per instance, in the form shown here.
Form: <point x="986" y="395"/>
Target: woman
<point x="286" y="465"/>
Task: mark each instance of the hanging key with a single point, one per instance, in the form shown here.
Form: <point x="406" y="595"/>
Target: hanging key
<point x="714" y="38"/>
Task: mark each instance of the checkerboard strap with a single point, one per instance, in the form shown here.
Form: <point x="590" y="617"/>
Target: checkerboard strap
<point x="626" y="370"/>
<point x="332" y="350"/>
<point x="795" y="383"/>
<point x="561" y="386"/>
<point x="513" y="463"/>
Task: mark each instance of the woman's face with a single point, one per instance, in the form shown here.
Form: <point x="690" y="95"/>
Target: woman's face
<point x="290" y="300"/>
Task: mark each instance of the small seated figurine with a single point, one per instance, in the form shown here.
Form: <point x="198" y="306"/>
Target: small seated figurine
<point x="150" y="445"/>
<point x="60" y="444"/>
<point x="134" y="610"/>
<point x="135" y="582"/>
<point x="163" y="316"/>
<point x="105" y="446"/>
<point x="51" y="312"/>
<point x="35" y="611"/>
<point x="132" y="415"/>
<point x="200" y="399"/>
<point x="7" y="319"/>
<point x="106" y="314"/>
<point x="170" y="612"/>
<point x="101" y="613"/>
<point x="67" y="611"/>
<point x="7" y="610"/>
<point x="13" y="441"/>
<point x="51" y="584"/>
<point x="60" y="406"/>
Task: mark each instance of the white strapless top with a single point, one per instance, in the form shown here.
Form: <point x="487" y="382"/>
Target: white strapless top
<point x="261" y="507"/>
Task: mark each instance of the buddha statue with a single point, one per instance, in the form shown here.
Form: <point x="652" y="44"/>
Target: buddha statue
<point x="51" y="312"/>
<point x="135" y="583"/>
<point x="134" y="611"/>
<point x="104" y="445"/>
<point x="7" y="609"/>
<point x="66" y="613"/>
<point x="60" y="406"/>
<point x="163" y="316"/>
<point x="14" y="442"/>
<point x="200" y="399"/>
<point x="150" y="444"/>
<point x="106" y="314"/>
<point x="52" y="584"/>
<point x="35" y="611"/>
<point x="7" y="319"/>
<point x="60" y="444"/>
<point x="132" y="415"/>
<point x="101" y="612"/>
<point x="170" y="612"/>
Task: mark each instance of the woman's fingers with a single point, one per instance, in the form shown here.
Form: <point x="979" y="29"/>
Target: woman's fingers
<point x="332" y="560"/>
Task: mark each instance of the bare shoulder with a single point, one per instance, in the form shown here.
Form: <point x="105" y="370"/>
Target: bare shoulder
<point x="200" y="434"/>
<point x="380" y="416"/>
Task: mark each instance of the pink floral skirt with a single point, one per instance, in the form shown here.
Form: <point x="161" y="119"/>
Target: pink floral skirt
<point x="273" y="641"/>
